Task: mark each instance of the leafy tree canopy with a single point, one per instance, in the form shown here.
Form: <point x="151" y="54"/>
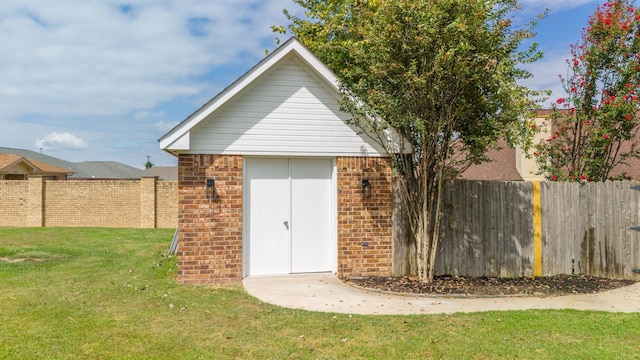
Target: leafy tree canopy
<point x="595" y="128"/>
<point x="443" y="74"/>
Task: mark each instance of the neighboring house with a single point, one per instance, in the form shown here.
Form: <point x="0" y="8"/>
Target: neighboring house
<point x="163" y="172"/>
<point x="83" y="170"/>
<point x="15" y="167"/>
<point x="515" y="164"/>
<point x="507" y="163"/>
<point x="273" y="180"/>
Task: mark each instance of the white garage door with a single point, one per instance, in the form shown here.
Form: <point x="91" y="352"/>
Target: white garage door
<point x="289" y="214"/>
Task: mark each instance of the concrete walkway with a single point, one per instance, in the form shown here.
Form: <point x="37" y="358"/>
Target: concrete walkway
<point x="326" y="293"/>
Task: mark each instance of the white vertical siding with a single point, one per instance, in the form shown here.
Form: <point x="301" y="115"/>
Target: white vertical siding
<point x="287" y="112"/>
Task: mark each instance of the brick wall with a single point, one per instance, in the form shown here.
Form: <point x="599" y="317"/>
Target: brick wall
<point x="95" y="203"/>
<point x="144" y="203"/>
<point x="210" y="231"/>
<point x="364" y="225"/>
<point x="15" y="202"/>
<point x="167" y="204"/>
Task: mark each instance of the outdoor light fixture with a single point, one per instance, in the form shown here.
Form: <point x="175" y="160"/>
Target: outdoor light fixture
<point x="366" y="188"/>
<point x="210" y="189"/>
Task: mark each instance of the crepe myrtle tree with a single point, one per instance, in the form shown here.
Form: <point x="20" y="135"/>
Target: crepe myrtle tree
<point x="595" y="128"/>
<point x="443" y="74"/>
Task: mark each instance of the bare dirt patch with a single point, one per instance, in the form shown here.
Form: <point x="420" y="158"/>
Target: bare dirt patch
<point x="21" y="259"/>
<point x="482" y="286"/>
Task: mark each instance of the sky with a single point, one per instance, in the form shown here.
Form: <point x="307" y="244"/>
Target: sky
<point x="103" y="80"/>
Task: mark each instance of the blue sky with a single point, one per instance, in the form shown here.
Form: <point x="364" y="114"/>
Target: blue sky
<point x="103" y="80"/>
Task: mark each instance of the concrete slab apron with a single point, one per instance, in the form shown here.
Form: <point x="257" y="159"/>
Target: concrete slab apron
<point x="326" y="293"/>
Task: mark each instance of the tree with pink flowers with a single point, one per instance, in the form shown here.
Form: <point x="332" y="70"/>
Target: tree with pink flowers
<point x="594" y="129"/>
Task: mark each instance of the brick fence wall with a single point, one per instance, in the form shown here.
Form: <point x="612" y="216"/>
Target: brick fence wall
<point x="14" y="197"/>
<point x="144" y="203"/>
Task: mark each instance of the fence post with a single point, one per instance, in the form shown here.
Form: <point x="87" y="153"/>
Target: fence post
<point x="403" y="262"/>
<point x="36" y="201"/>
<point x="148" y="202"/>
<point x="537" y="229"/>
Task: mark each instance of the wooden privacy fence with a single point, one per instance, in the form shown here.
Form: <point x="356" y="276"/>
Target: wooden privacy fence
<point x="488" y="229"/>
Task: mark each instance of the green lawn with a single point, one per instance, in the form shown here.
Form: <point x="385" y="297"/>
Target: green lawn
<point x="110" y="293"/>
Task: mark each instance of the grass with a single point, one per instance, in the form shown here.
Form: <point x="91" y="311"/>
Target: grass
<point x="68" y="293"/>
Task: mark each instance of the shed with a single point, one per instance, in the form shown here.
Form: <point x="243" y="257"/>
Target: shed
<point x="274" y="179"/>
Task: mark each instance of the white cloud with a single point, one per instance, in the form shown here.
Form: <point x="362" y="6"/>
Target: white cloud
<point x="546" y="74"/>
<point x="76" y="57"/>
<point x="121" y="73"/>
<point x="146" y="114"/>
<point x="63" y="140"/>
<point x="164" y="127"/>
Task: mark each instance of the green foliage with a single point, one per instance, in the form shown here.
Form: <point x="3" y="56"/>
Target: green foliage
<point x="442" y="74"/>
<point x="595" y="128"/>
<point x="440" y="71"/>
<point x="111" y="294"/>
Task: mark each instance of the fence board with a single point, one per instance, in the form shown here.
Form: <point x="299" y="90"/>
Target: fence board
<point x="482" y="229"/>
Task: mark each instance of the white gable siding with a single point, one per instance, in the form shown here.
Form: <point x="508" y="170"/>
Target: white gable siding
<point x="288" y="112"/>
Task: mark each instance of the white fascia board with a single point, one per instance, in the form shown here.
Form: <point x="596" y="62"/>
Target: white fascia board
<point x="292" y="45"/>
<point x="298" y="154"/>
<point x="181" y="143"/>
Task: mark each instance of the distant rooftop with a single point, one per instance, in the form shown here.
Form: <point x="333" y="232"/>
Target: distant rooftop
<point x="163" y="172"/>
<point x="83" y="170"/>
<point x="11" y="159"/>
<point x="502" y="166"/>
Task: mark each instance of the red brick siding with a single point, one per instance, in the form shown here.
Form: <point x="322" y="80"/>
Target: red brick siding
<point x="210" y="248"/>
<point x="210" y="232"/>
<point x="364" y="220"/>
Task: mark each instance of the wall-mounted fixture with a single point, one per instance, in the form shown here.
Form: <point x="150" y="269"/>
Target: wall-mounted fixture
<point x="366" y="188"/>
<point x="210" y="189"/>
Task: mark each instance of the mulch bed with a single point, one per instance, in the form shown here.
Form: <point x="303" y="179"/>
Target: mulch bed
<point x="470" y="286"/>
